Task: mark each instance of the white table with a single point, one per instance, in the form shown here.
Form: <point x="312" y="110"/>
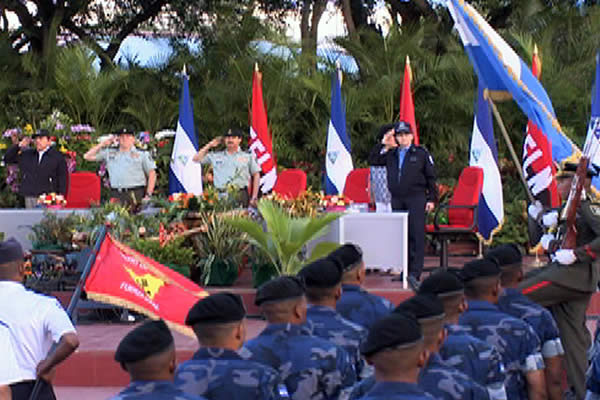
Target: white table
<point x="383" y="238"/>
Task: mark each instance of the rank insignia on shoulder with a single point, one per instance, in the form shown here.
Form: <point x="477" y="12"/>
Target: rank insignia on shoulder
<point x="595" y="209"/>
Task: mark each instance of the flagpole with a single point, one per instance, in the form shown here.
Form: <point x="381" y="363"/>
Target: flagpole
<point x="74" y="299"/>
<point x="511" y="149"/>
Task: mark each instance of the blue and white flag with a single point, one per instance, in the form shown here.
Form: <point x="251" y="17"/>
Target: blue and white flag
<point x="592" y="140"/>
<point x="185" y="175"/>
<point x="484" y="154"/>
<point x="338" y="161"/>
<point x="500" y="69"/>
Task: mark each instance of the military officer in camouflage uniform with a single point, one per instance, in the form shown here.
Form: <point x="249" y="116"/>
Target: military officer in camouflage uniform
<point x="217" y="371"/>
<point x="311" y="367"/>
<point x="323" y="280"/>
<point x="477" y="359"/>
<point x="566" y="285"/>
<point x="516" y="341"/>
<point x="232" y="166"/>
<point x="396" y="348"/>
<point x="513" y="302"/>
<point x="356" y="304"/>
<point x="147" y="353"/>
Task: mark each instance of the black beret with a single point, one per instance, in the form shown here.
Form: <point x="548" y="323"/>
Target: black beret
<point x="442" y="283"/>
<point x="148" y="339"/>
<point x="402" y="127"/>
<point x="125" y="131"/>
<point x="572" y="167"/>
<point x="282" y="288"/>
<point x="41" y="132"/>
<point x="10" y="250"/>
<point x="322" y="273"/>
<point x="217" y="308"/>
<point x="422" y="306"/>
<point x="349" y="254"/>
<point x="233" y="132"/>
<point x="393" y="330"/>
<point x="480" y="268"/>
<point x="506" y="254"/>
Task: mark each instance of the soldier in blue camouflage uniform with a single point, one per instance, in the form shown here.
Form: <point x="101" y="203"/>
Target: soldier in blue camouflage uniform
<point x="356" y="304"/>
<point x="217" y="371"/>
<point x="436" y="377"/>
<point x="147" y="353"/>
<point x="323" y="280"/>
<point x="311" y="367"/>
<point x="395" y="347"/>
<point x="475" y="358"/>
<point x="513" y="302"/>
<point x="516" y="341"/>
<point x="592" y="382"/>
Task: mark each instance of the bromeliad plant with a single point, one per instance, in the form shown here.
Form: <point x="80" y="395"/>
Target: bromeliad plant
<point x="285" y="236"/>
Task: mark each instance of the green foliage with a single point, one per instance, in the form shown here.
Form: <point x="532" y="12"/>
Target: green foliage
<point x="175" y="253"/>
<point x="53" y="232"/>
<point x="285" y="236"/>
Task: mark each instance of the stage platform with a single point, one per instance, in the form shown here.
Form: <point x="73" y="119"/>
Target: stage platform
<point x="93" y="365"/>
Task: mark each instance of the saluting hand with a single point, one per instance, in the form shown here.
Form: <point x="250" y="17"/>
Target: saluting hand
<point x="108" y="141"/>
<point x="25" y="141"/>
<point x="215" y="142"/>
<point x="429" y="206"/>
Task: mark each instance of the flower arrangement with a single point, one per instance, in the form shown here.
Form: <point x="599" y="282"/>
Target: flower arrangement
<point x="307" y="204"/>
<point x="52" y="199"/>
<point x="335" y="201"/>
<point x="183" y="199"/>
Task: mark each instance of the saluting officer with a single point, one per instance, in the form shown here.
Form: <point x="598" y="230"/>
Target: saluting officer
<point x="132" y="172"/>
<point x="217" y="371"/>
<point x="412" y="182"/>
<point x="566" y="284"/>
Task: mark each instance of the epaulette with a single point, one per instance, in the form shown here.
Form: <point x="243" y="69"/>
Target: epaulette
<point x="595" y="209"/>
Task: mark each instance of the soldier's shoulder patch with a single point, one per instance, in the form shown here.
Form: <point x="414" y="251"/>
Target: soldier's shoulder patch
<point x="595" y="209"/>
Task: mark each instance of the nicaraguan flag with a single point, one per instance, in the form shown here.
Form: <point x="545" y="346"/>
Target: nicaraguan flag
<point x="185" y="175"/>
<point x="338" y="161"/>
<point x="484" y="154"/>
<point x="592" y="140"/>
<point x="500" y="69"/>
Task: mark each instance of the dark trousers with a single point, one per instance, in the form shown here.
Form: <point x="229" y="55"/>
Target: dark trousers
<point x="22" y="390"/>
<point x="415" y="205"/>
<point x="568" y="306"/>
<point x="130" y="197"/>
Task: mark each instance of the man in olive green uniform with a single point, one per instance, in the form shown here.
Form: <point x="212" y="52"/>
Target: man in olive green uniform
<point x="232" y="167"/>
<point x="566" y="284"/>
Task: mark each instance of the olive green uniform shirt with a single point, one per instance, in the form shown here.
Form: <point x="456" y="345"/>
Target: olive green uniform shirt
<point x="231" y="169"/>
<point x="126" y="169"/>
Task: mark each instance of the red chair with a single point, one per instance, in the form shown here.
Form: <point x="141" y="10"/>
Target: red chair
<point x="83" y="190"/>
<point x="290" y="183"/>
<point x="357" y="185"/>
<point x="462" y="211"/>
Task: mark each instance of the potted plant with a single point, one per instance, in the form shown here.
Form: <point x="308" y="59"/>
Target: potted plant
<point x="285" y="236"/>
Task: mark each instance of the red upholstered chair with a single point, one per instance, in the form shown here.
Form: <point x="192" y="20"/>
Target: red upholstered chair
<point x="462" y="211"/>
<point x="83" y="190"/>
<point x="357" y="185"/>
<point x="290" y="183"/>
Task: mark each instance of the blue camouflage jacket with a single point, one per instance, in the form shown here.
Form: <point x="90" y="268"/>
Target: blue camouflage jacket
<point x="396" y="391"/>
<point x="221" y="374"/>
<point x="514" y="302"/>
<point x="475" y="358"/>
<point x="311" y="367"/>
<point x="362" y="307"/>
<point x="514" y="339"/>
<point x="154" y="390"/>
<point x="327" y="323"/>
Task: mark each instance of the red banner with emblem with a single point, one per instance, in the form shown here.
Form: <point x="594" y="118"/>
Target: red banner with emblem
<point x="407" y="106"/>
<point x="124" y="277"/>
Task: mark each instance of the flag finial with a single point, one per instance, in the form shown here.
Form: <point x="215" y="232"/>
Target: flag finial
<point x="407" y="59"/>
<point x="535" y="49"/>
<point x="338" y="68"/>
<point x="256" y="66"/>
<point x="184" y="71"/>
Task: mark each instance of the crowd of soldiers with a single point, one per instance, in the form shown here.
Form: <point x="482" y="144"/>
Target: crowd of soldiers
<point x="466" y="334"/>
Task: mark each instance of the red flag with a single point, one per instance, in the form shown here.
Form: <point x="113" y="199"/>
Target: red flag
<point x="260" y="138"/>
<point x="124" y="277"/>
<point x="538" y="167"/>
<point x="407" y="107"/>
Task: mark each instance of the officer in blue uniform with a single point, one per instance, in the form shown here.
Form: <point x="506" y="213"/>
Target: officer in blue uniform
<point x="147" y="353"/>
<point x="395" y="347"/>
<point x="323" y="280"/>
<point x="477" y="359"/>
<point x="411" y="180"/>
<point x="356" y="304"/>
<point x="311" y="367"/>
<point x="217" y="371"/>
<point x="513" y="302"/>
<point x="516" y="341"/>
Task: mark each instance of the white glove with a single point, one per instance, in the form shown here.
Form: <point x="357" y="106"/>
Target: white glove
<point x="565" y="257"/>
<point x="550" y="219"/>
<point x="546" y="239"/>
<point x="535" y="209"/>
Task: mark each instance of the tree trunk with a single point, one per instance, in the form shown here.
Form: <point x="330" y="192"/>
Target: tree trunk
<point x="348" y="17"/>
<point x="309" y="30"/>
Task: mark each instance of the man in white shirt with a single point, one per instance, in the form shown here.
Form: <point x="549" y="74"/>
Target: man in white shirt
<point x="7" y="366"/>
<point x="34" y="322"/>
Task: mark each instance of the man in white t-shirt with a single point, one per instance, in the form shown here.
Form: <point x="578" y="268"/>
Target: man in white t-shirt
<point x="33" y="322"/>
<point x="8" y="371"/>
